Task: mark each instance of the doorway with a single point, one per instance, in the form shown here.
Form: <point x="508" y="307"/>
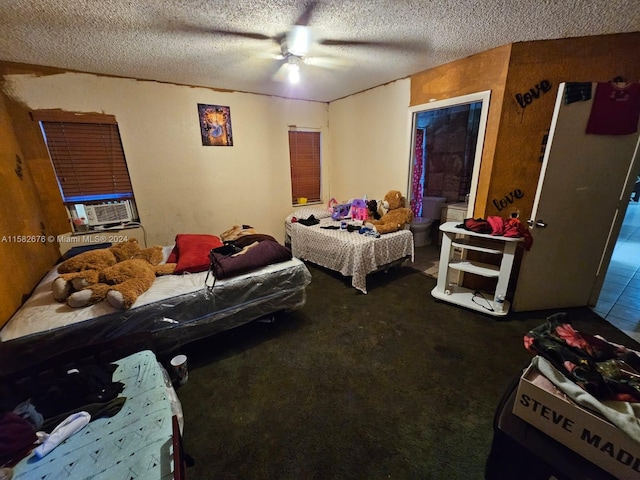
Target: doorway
<point x="619" y="299"/>
<point x="446" y="148"/>
<point x="445" y="144"/>
<point x="446" y="139"/>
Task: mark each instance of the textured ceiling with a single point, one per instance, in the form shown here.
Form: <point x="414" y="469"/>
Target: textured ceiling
<point x="183" y="41"/>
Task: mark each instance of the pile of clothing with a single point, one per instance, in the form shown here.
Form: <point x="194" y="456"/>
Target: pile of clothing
<point x="52" y="409"/>
<point x="598" y="375"/>
<point x="498" y="226"/>
<point x="605" y="370"/>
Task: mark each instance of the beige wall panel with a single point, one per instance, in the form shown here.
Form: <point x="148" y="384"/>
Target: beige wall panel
<point x="370" y="142"/>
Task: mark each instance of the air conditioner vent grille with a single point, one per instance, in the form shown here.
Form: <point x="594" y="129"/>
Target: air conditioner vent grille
<point x="108" y="213"/>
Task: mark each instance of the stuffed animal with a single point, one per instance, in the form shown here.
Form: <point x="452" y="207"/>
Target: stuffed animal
<point x="120" y="274"/>
<point x="396" y="217"/>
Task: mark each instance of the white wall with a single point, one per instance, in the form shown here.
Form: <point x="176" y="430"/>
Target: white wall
<point x="370" y="142"/>
<point x="180" y="185"/>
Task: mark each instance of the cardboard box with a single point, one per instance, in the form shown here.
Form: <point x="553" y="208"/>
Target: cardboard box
<point x="581" y="430"/>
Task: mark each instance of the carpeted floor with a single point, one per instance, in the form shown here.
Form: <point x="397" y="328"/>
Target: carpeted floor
<point x="388" y="385"/>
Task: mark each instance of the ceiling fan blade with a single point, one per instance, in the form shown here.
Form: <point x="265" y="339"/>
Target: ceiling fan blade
<point x="351" y="42"/>
<point x="281" y="74"/>
<point x="305" y="16"/>
<point x="332" y="63"/>
<point x="255" y="36"/>
<point x="189" y="27"/>
<point x="375" y="44"/>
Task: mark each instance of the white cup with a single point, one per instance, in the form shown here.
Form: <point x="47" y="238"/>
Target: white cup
<point x="179" y="365"/>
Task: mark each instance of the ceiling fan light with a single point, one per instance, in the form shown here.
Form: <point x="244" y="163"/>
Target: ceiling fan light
<point x="298" y="40"/>
<point x="294" y="73"/>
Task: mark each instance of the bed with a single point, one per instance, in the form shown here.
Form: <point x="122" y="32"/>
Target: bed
<point x="352" y="254"/>
<point x="141" y="440"/>
<point x="176" y="310"/>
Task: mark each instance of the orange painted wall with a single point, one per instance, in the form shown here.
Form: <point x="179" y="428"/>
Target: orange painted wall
<point x="35" y="151"/>
<point x="24" y="256"/>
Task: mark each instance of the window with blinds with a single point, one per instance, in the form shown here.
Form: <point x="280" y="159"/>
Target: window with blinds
<point x="87" y="156"/>
<point x="91" y="169"/>
<point x="304" y="153"/>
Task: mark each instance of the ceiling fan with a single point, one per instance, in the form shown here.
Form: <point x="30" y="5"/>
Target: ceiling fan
<point x="296" y="42"/>
<point x="294" y="47"/>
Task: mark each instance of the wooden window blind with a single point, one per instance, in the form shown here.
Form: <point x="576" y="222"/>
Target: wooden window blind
<point x="304" y="152"/>
<point x="87" y="156"/>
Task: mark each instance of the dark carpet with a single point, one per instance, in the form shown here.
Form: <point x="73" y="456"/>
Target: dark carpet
<point x="388" y="385"/>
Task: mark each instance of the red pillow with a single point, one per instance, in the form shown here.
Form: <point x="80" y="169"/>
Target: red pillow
<point x="193" y="251"/>
<point x="173" y="256"/>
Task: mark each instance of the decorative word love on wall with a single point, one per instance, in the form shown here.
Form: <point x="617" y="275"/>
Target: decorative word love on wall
<point x="526" y="98"/>
<point x="508" y="199"/>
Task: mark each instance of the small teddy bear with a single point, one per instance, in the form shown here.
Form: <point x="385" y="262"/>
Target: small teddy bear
<point x="397" y="215"/>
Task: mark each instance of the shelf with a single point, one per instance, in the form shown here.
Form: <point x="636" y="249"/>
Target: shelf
<point x="456" y="239"/>
<point x="483" y="269"/>
<point x="467" y="244"/>
<point x="465" y="298"/>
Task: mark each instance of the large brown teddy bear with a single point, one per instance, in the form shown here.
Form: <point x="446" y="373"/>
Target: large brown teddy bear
<point x="396" y="217"/>
<point x="120" y="274"/>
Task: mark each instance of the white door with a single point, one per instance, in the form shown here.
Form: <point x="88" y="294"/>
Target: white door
<point x="575" y="213"/>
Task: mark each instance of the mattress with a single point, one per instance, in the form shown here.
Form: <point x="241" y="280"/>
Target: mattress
<point x="176" y="310"/>
<point x="134" y="443"/>
<point x="350" y="253"/>
<point x="41" y="313"/>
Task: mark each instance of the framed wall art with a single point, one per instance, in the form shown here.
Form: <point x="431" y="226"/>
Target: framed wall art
<point x="215" y="125"/>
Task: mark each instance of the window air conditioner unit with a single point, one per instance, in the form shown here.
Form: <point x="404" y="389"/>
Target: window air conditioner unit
<point x="117" y="212"/>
